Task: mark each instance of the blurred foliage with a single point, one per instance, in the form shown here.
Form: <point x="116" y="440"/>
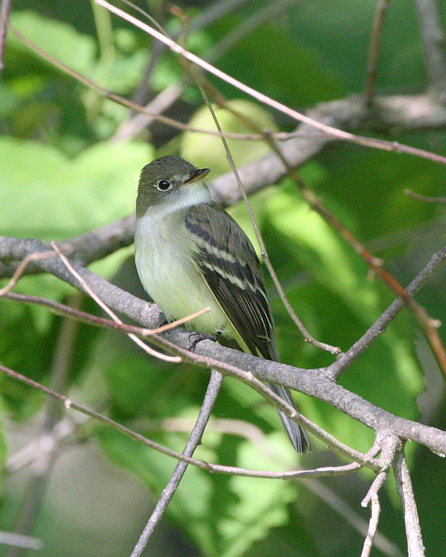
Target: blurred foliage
<point x="63" y="174"/>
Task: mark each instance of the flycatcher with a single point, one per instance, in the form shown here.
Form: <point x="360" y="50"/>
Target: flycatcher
<point x="191" y="254"/>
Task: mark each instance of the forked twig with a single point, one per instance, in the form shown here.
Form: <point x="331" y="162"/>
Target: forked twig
<point x="21" y="269"/>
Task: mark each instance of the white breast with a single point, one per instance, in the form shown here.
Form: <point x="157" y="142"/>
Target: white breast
<point x="170" y="276"/>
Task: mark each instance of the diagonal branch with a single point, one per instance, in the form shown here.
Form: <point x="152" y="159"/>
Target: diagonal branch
<point x="192" y="443"/>
<point x="293" y="114"/>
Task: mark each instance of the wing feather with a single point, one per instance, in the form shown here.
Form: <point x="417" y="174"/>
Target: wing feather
<point x="233" y="273"/>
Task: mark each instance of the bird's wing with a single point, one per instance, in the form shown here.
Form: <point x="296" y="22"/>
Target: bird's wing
<point x="233" y="273"/>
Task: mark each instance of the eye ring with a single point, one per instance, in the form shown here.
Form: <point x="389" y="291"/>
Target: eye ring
<point x="163" y="185"/>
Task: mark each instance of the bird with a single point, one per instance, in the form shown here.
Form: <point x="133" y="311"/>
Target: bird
<point x="191" y="254"/>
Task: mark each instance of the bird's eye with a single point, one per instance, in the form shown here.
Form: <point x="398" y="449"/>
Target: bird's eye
<point x="163" y="185"/>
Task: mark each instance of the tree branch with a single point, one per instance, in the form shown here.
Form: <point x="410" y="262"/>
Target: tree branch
<point x="405" y="114"/>
<point x="311" y="382"/>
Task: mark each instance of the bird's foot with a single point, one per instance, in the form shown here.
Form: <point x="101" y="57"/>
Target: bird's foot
<point x="195" y="338"/>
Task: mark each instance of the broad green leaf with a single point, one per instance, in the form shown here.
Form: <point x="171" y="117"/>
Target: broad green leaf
<point x="59" y="39"/>
<point x="260" y="506"/>
<point x="46" y="195"/>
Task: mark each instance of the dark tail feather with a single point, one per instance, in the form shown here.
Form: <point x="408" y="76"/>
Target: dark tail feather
<point x="296" y="433"/>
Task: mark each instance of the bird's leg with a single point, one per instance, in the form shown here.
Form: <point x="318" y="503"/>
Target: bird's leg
<point x="195" y="338"/>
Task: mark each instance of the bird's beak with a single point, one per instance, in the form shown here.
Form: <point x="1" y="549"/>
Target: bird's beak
<point x="197" y="174"/>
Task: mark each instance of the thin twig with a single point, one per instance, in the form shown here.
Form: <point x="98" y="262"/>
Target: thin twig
<point x="388" y="449"/>
<point x="27" y="542"/>
<point x="373" y="55"/>
<point x="21" y="269"/>
<point x="373" y="526"/>
<point x="415" y="547"/>
<point x="426" y="198"/>
<point x="146" y="15"/>
<point x="67" y="311"/>
<point x="351" y="516"/>
<point x="329" y="130"/>
<point x="194" y="440"/>
<point x="212" y="468"/>
<point x="374" y="488"/>
<point x="214" y="12"/>
<point x="27" y="455"/>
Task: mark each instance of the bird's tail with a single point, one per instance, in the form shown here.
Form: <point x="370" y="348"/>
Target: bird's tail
<point x="296" y="433"/>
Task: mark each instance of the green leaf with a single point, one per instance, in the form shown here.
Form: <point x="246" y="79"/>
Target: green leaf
<point x="46" y="195"/>
<point x="61" y="40"/>
<point x="260" y="505"/>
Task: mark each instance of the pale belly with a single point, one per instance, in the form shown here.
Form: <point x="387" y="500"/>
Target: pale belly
<point x="173" y="282"/>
